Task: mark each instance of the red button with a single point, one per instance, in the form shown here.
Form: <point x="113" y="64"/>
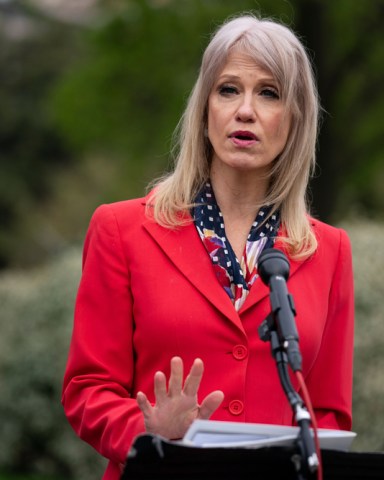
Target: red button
<point x="239" y="352"/>
<point x="236" y="407"/>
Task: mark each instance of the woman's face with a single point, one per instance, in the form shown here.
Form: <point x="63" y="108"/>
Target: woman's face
<point x="248" y="124"/>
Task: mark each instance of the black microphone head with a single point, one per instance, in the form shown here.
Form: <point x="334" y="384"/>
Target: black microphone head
<point x="272" y="262"/>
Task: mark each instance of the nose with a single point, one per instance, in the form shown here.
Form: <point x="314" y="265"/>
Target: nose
<point x="246" y="111"/>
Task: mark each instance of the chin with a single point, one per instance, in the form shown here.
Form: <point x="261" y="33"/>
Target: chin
<point x="249" y="166"/>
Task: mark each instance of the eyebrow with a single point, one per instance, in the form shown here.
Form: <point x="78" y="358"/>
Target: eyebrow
<point x="230" y="76"/>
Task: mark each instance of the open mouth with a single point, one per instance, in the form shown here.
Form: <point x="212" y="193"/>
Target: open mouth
<point x="243" y="139"/>
<point x="244" y="136"/>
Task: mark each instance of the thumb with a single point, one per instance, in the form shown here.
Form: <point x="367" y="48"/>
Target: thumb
<point x="210" y="403"/>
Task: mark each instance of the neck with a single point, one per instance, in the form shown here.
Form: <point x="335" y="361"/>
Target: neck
<point x="241" y="194"/>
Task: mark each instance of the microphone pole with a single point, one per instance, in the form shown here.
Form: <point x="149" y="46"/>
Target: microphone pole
<point x="279" y="328"/>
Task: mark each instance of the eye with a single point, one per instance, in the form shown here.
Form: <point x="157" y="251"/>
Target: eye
<point x="270" y="92"/>
<point x="227" y="90"/>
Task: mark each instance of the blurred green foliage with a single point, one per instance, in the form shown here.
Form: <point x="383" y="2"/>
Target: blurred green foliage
<point x="347" y="43"/>
<point x="32" y="149"/>
<point x="36" y="322"/>
<point x="88" y="110"/>
<point x="368" y="406"/>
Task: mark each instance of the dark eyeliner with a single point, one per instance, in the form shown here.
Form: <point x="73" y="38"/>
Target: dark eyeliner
<point x="270" y="93"/>
<point x="227" y="90"/>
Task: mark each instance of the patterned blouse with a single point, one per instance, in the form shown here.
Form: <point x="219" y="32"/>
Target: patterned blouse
<point x="235" y="277"/>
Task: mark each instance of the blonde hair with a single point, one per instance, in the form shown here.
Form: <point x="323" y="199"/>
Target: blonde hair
<point x="277" y="49"/>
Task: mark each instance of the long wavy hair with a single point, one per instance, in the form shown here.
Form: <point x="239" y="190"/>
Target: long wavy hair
<point x="277" y="49"/>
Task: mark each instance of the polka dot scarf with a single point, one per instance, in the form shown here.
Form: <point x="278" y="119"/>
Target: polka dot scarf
<point x="235" y="276"/>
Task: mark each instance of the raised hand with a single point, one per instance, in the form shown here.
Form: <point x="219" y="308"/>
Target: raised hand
<point x="176" y="408"/>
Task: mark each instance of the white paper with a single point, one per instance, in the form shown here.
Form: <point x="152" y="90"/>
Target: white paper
<point x="210" y="433"/>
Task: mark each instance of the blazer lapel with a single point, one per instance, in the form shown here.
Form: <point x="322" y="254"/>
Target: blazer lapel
<point x="259" y="290"/>
<point x="183" y="247"/>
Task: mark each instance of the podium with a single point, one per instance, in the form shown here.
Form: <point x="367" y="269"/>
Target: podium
<point x="153" y="458"/>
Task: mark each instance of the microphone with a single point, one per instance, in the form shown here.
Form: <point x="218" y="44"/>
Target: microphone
<point x="273" y="268"/>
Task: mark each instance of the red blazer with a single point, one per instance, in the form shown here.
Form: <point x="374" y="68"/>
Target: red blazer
<point x="149" y="293"/>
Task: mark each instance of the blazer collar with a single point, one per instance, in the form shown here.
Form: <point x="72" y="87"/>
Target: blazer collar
<point x="181" y="245"/>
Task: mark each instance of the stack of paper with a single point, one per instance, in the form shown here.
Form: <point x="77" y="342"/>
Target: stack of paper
<point x="209" y="433"/>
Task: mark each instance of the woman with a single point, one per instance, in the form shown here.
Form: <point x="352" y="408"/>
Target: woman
<point x="170" y="281"/>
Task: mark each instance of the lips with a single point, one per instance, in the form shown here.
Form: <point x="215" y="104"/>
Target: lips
<point x="243" y="135"/>
<point x="243" y="138"/>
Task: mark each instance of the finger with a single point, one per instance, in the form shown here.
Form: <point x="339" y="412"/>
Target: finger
<point x="160" y="387"/>
<point x="192" y="382"/>
<point x="175" y="385"/>
<point x="144" y="404"/>
<point x="210" y="403"/>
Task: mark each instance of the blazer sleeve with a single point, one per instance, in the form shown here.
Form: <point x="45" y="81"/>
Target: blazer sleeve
<point x="99" y="373"/>
<point x="330" y="380"/>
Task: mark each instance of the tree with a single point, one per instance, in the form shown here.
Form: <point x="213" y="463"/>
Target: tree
<point x="32" y="148"/>
<point x="346" y="40"/>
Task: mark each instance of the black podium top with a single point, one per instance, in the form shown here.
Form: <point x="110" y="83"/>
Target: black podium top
<point x="152" y="458"/>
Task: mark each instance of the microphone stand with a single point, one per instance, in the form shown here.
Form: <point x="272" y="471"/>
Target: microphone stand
<point x="307" y="462"/>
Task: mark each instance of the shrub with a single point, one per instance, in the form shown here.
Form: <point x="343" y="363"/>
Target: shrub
<point x="368" y="407"/>
<point x="36" y="320"/>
